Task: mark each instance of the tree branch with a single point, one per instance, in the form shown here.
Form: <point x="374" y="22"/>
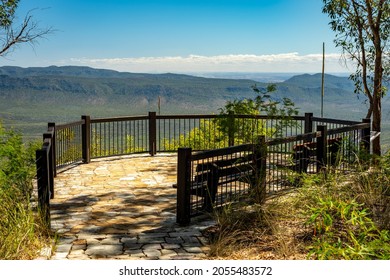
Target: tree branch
<point x="27" y="32"/>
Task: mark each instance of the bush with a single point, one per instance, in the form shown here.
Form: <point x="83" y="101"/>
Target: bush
<point x="21" y="229"/>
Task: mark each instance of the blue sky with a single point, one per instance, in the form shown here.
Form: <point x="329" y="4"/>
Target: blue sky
<point x="181" y="36"/>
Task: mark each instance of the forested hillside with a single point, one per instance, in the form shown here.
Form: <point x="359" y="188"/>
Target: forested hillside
<point x="31" y="97"/>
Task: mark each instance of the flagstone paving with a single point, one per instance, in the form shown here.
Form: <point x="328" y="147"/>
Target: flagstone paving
<point x="123" y="208"/>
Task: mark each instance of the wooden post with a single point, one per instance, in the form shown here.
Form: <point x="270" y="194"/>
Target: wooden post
<point x="86" y="139"/>
<point x="322" y="158"/>
<point x="48" y="137"/>
<point x="183" y="210"/>
<point x="52" y="127"/>
<point x="231" y="129"/>
<point x="212" y="187"/>
<point x="308" y="122"/>
<point x="43" y="184"/>
<point x="152" y="133"/>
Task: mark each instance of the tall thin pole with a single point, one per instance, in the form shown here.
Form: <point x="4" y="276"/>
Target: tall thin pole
<point x="323" y="80"/>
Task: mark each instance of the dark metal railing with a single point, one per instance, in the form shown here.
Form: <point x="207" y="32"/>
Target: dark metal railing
<point x="81" y="141"/>
<point x="283" y="159"/>
<point x="89" y="138"/>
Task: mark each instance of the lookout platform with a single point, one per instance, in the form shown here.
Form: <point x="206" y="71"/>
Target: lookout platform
<point x="123" y="208"/>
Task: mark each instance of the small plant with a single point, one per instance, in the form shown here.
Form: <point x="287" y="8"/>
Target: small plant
<point x="343" y="230"/>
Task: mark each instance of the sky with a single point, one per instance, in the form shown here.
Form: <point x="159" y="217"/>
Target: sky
<point x="181" y="36"/>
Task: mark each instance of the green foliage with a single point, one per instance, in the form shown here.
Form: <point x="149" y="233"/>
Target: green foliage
<point x="20" y="227"/>
<point x="17" y="162"/>
<point x="235" y="125"/>
<point x="343" y="230"/>
<point x="347" y="214"/>
<point x="353" y="21"/>
<point x="247" y="130"/>
<point x="206" y="136"/>
<point x="362" y="32"/>
<point x="7" y="11"/>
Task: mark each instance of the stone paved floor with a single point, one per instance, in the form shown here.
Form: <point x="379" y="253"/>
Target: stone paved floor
<point x="123" y="208"/>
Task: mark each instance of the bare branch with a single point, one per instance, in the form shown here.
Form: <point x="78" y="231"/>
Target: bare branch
<point x="27" y="32"/>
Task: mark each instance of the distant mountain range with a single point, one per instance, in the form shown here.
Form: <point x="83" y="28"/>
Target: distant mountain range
<point x="31" y="97"/>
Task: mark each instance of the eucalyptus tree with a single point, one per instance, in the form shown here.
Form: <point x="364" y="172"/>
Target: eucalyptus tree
<point x="362" y="31"/>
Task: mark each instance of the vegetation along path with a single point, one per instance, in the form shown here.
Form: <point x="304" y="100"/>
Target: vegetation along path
<point x="122" y="208"/>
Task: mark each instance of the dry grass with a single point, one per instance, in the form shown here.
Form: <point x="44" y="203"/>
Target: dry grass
<point x="277" y="229"/>
<point x="258" y="232"/>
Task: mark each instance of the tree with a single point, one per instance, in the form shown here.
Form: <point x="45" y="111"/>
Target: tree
<point x="12" y="33"/>
<point x="246" y="130"/>
<point x="362" y="31"/>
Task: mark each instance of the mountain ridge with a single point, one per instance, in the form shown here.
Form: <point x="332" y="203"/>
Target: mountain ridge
<point x="30" y="97"/>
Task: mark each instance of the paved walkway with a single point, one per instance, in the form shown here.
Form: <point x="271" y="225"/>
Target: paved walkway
<point x="123" y="208"/>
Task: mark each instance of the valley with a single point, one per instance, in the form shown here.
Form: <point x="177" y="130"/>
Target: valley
<point x="31" y="97"/>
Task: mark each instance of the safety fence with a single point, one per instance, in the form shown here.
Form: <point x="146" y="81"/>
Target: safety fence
<point x="210" y="179"/>
<point x="287" y="141"/>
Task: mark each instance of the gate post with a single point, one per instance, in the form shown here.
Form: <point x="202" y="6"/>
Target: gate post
<point x="152" y="133"/>
<point x="183" y="210"/>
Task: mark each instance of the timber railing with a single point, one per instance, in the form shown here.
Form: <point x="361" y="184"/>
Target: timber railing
<point x="78" y="142"/>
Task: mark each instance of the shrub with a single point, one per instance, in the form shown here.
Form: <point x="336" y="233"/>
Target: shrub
<point x="343" y="230"/>
<point x="21" y="231"/>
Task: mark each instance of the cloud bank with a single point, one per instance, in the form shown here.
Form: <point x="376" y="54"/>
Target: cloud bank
<point x="287" y="62"/>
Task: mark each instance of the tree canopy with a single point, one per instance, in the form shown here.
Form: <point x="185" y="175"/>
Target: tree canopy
<point x="362" y="31"/>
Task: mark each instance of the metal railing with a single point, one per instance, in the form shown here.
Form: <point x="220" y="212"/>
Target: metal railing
<point x="88" y="138"/>
<point x="79" y="142"/>
<point x="279" y="160"/>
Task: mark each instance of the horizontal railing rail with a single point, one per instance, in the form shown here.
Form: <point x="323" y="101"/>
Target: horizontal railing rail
<point x="88" y="138"/>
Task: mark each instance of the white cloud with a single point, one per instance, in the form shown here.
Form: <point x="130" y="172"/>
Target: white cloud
<point x="287" y="62"/>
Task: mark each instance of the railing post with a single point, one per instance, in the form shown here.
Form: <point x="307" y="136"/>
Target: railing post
<point x="52" y="127"/>
<point x="231" y="129"/>
<point x="43" y="185"/>
<point x="322" y="158"/>
<point x="48" y="137"/>
<point x="366" y="134"/>
<point x="86" y="139"/>
<point x="152" y="133"/>
<point x="183" y="210"/>
<point x="308" y="122"/>
<point x="260" y="165"/>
